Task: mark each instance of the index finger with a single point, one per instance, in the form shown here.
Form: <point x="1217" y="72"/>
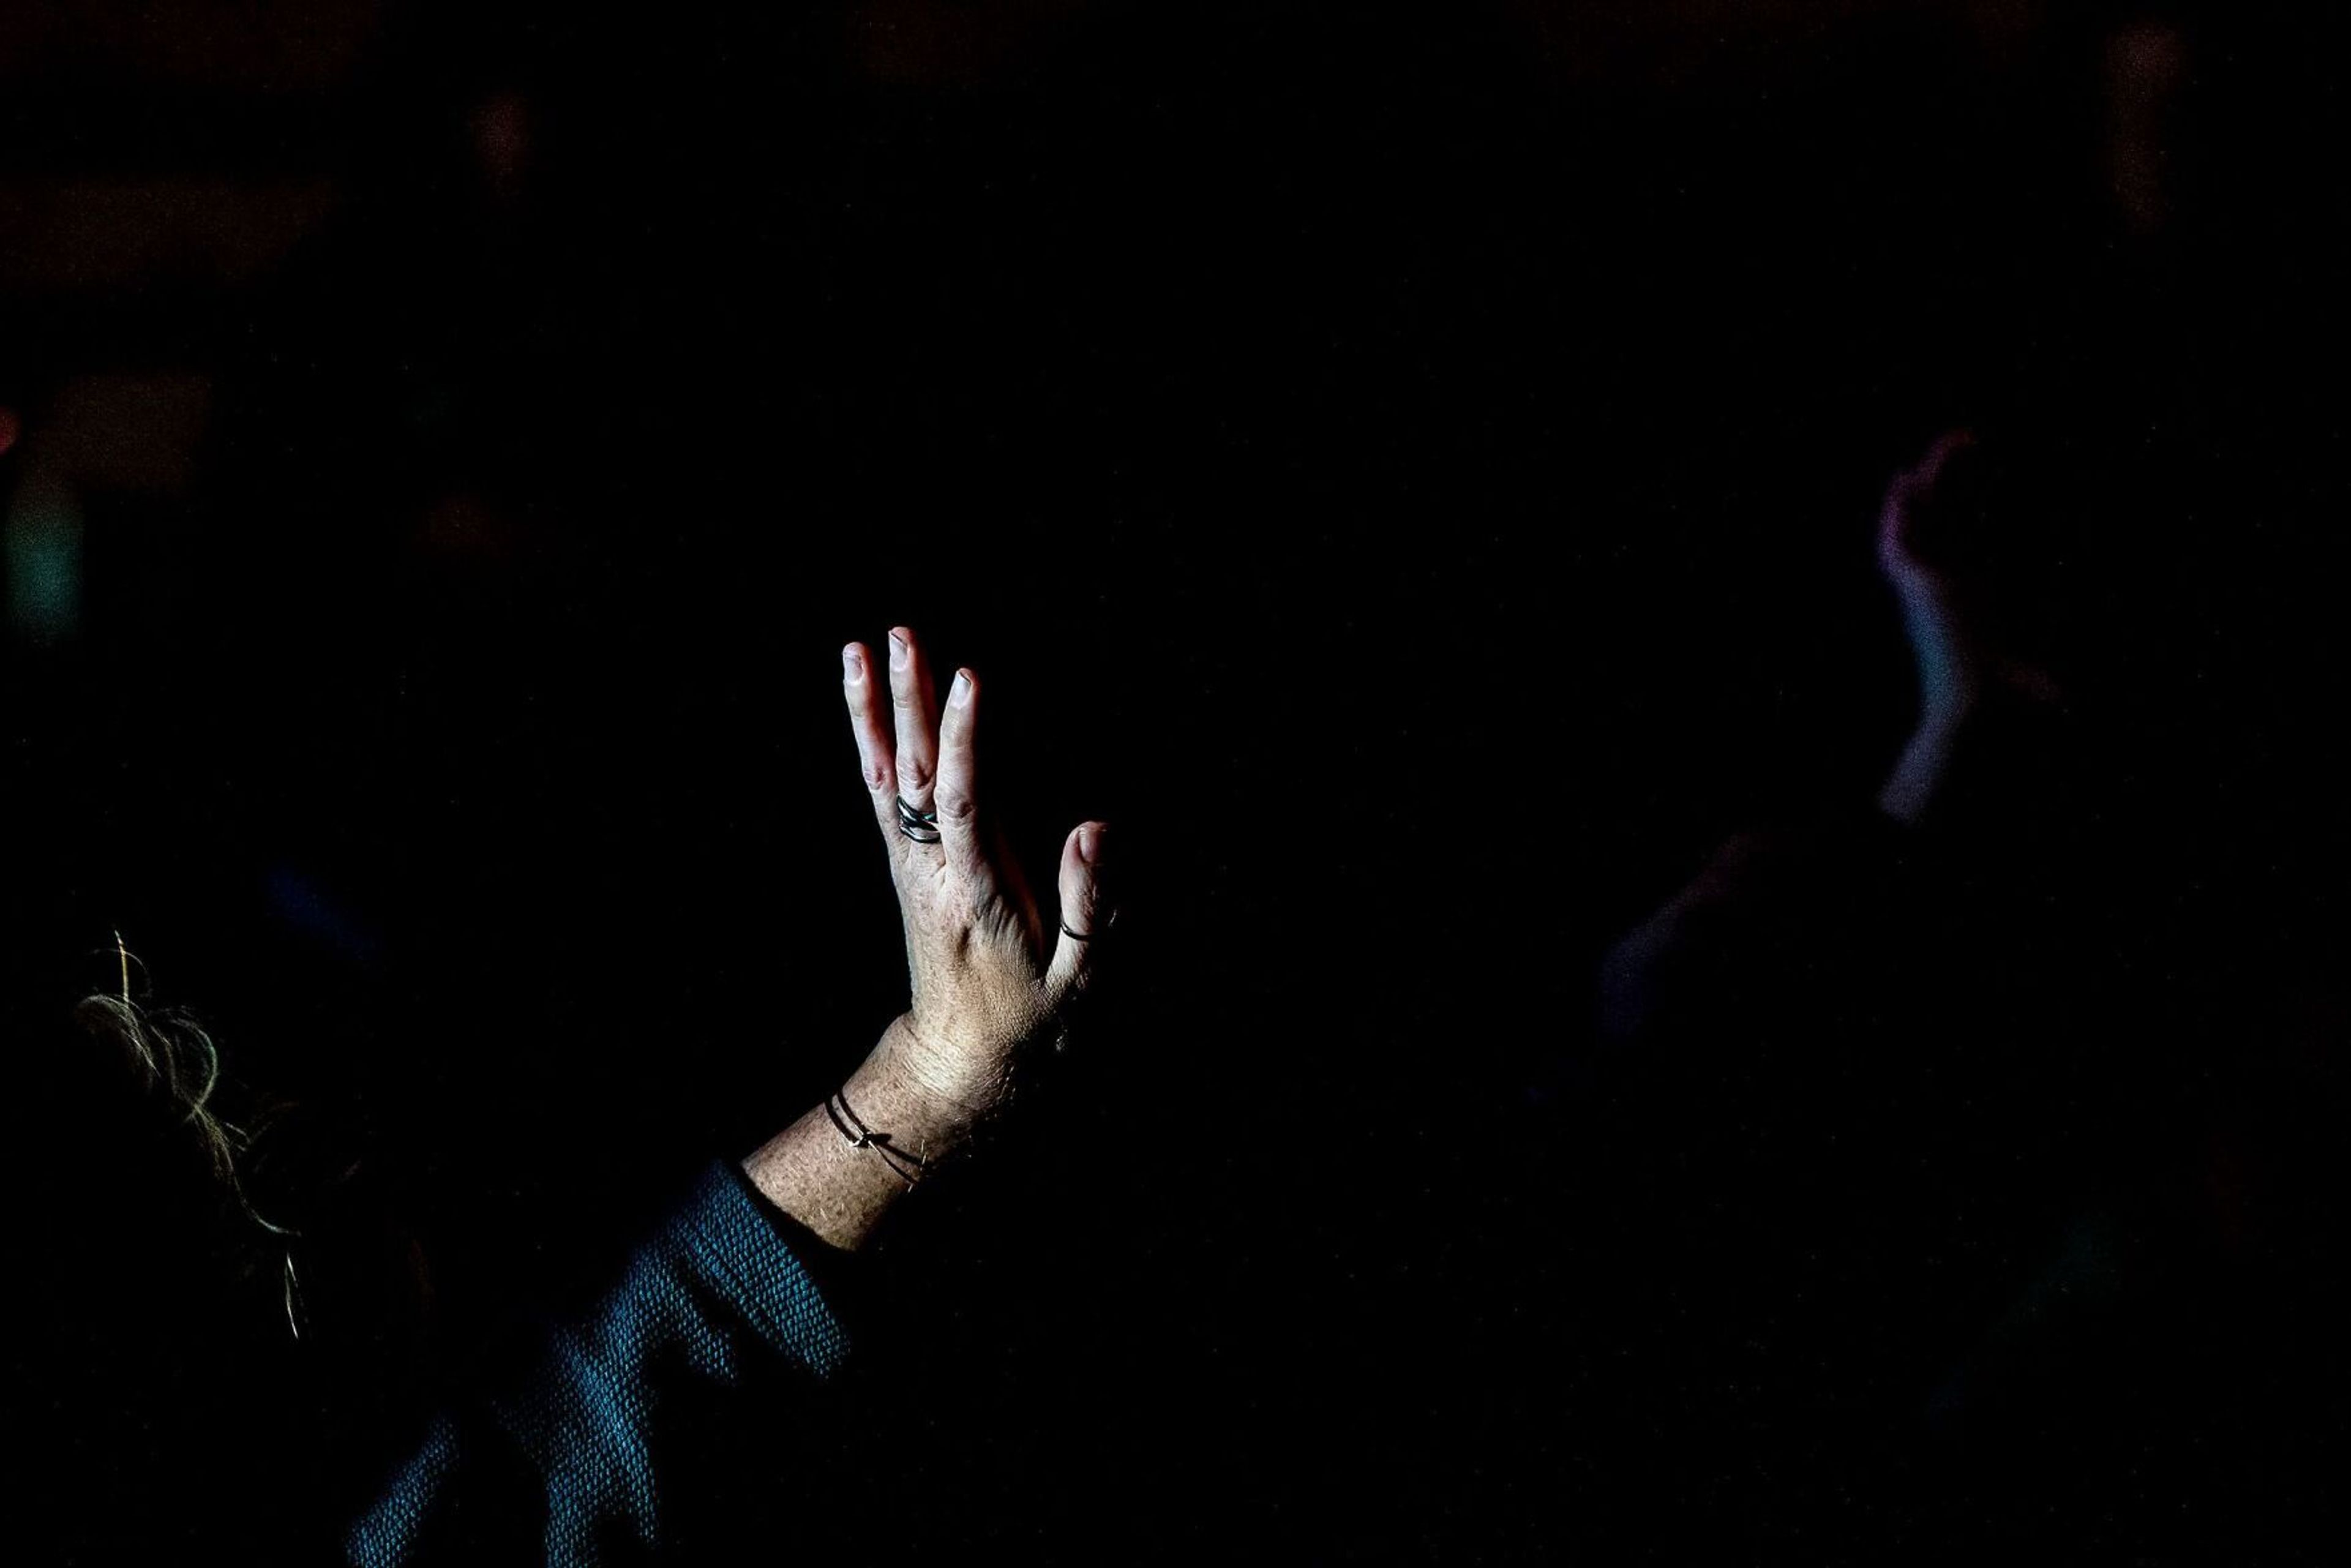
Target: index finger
<point x="957" y="799"/>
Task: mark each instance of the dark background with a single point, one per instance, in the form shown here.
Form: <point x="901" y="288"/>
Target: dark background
<point x="1413" y="471"/>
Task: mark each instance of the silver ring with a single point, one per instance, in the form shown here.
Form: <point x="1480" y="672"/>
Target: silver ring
<point x="923" y="827"/>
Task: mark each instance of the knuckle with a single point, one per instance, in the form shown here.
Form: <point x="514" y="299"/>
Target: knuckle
<point x="955" y="803"/>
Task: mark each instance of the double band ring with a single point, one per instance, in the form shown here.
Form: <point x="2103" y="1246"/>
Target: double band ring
<point x="923" y="827"/>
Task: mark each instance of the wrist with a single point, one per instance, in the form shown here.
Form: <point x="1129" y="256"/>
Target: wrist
<point x="839" y="1168"/>
<point x="922" y="1091"/>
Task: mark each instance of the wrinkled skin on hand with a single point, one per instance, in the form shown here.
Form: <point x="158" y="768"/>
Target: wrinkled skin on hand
<point x="990" y="979"/>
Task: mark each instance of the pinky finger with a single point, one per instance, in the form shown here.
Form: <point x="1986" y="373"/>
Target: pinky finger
<point x="1085" y="912"/>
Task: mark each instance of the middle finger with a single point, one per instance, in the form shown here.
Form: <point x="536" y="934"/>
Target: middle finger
<point x="917" y="717"/>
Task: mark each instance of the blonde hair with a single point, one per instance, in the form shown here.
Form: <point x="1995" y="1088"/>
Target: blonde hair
<point x="171" y="1057"/>
<point x="176" y="1068"/>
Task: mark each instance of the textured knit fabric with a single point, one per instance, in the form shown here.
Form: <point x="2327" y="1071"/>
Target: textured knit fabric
<point x="564" y="1461"/>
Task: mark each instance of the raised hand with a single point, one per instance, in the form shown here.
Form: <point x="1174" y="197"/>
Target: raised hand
<point x="990" y="977"/>
<point x="991" y="980"/>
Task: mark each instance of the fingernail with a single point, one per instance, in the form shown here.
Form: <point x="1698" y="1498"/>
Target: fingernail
<point x="897" y="652"/>
<point x="851" y="669"/>
<point x="960" y="693"/>
<point x="1090" y="844"/>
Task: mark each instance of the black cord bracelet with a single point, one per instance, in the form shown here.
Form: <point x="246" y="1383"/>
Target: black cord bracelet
<point x="846" y="1122"/>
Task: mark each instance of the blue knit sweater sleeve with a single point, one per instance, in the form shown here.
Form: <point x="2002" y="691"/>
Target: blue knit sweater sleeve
<point x="566" y="1455"/>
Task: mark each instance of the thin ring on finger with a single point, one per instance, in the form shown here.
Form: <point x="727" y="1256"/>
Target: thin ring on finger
<point x="1100" y="926"/>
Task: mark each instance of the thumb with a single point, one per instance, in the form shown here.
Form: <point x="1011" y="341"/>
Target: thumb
<point x="1085" y="912"/>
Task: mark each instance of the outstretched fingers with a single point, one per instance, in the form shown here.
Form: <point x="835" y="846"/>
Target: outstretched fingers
<point x="914" y="711"/>
<point x="876" y="752"/>
<point x="955" y="798"/>
<point x="1085" y="912"/>
<point x="921" y="768"/>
